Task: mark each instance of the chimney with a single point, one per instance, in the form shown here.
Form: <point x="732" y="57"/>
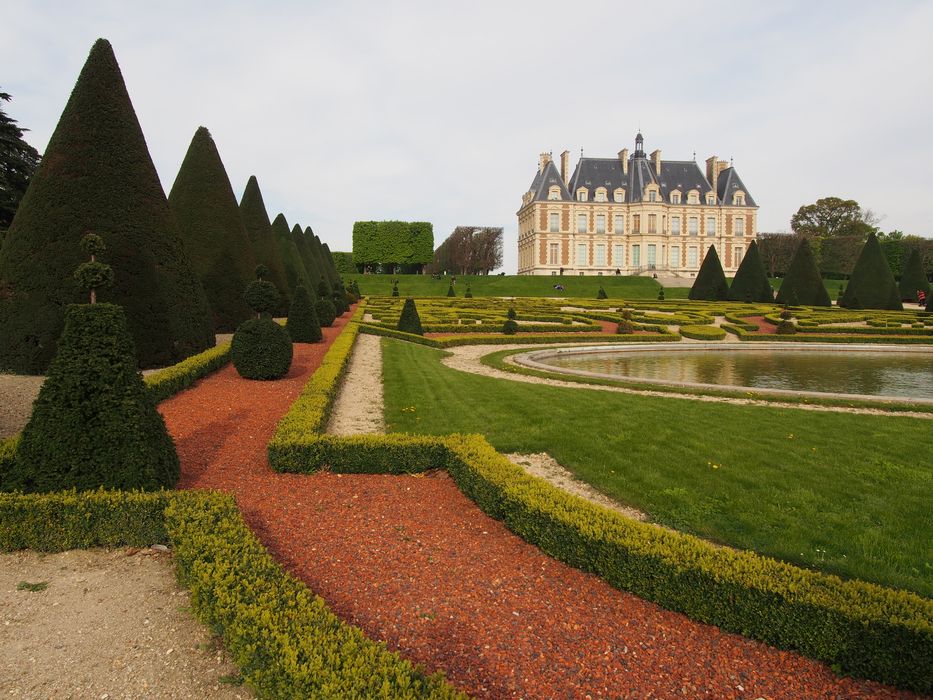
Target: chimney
<point x="720" y="166"/>
<point x="623" y="156"/>
<point x="543" y="160"/>
<point x="712" y="173"/>
<point x="565" y="167"/>
<point x="656" y="157"/>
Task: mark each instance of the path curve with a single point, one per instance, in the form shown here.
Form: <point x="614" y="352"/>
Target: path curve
<point x="414" y="562"/>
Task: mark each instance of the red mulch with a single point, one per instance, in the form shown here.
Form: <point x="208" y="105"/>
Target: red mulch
<point x="413" y="562"/>
<point x="763" y="325"/>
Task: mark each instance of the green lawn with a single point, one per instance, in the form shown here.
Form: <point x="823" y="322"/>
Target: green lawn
<point x="839" y="492"/>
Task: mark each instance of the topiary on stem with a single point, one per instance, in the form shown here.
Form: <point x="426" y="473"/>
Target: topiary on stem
<point x="303" y="325"/>
<point x="395" y="288"/>
<point x="261" y="348"/>
<point x="93" y="275"/>
<point x="410" y="321"/>
<point x="661" y="294"/>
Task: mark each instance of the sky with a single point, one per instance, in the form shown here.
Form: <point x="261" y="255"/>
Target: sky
<point x="434" y="111"/>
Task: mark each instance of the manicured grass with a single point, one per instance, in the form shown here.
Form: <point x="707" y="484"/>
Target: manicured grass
<point x="509" y="286"/>
<point x="839" y="492"/>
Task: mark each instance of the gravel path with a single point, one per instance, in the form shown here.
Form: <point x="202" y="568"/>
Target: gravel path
<point x="414" y="562"/>
<point x="109" y="624"/>
<point x="359" y="404"/>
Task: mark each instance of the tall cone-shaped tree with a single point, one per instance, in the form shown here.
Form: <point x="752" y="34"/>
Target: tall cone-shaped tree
<point x="210" y="224"/>
<point x="307" y="257"/>
<point x="913" y="279"/>
<point x="751" y="281"/>
<point x="314" y="247"/>
<point x="329" y="261"/>
<point x="97" y="176"/>
<point x="265" y="248"/>
<point x="871" y="285"/>
<point x="802" y="284"/>
<point x="295" y="273"/>
<point x="710" y="284"/>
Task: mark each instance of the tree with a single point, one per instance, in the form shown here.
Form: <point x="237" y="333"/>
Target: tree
<point x="393" y="244"/>
<point x="344" y="263"/>
<point x="469" y="250"/>
<point x="409" y="321"/>
<point x="832" y="216"/>
<point x="18" y="162"/>
<point x="872" y="285"/>
<point x="303" y="324"/>
<point x="265" y="247"/>
<point x="710" y="284"/>
<point x="215" y="238"/>
<point x="97" y="176"/>
<point x="913" y="279"/>
<point x="295" y="272"/>
<point x="802" y="284"/>
<point x="776" y="250"/>
<point x="751" y="282"/>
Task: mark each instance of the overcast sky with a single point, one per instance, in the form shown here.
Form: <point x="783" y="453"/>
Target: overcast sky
<point x="432" y="111"/>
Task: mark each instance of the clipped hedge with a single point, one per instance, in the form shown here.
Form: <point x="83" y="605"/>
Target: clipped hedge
<point x="702" y="332"/>
<point x="169" y="381"/>
<point x="282" y="637"/>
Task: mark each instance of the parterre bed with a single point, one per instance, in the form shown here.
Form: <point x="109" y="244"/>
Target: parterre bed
<point x="412" y="561"/>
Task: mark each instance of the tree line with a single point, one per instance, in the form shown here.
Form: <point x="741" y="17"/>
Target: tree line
<point x="469" y="250"/>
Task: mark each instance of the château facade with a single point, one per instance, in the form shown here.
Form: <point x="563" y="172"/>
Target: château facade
<point x="632" y="215"/>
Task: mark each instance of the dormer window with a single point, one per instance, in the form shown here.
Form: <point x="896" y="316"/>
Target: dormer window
<point x="553" y="193"/>
<point x="710" y="198"/>
<point x="582" y="194"/>
<point x="652" y="196"/>
<point x="693" y="197"/>
<point x="618" y="195"/>
<point x="675" y="197"/>
<point x="600" y="195"/>
<point x="738" y="199"/>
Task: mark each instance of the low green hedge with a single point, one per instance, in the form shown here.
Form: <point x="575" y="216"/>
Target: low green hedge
<point x="283" y="638"/>
<point x="702" y="332"/>
<point x="169" y="381"/>
<point x="864" y="629"/>
<point x="821" y="337"/>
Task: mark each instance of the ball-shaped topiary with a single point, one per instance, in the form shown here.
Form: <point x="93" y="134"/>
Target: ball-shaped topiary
<point x="410" y="321"/>
<point x="262" y="297"/>
<point x="261" y="349"/>
<point x="94" y="423"/>
<point x="326" y="312"/>
<point x="510" y="327"/>
<point x="303" y="325"/>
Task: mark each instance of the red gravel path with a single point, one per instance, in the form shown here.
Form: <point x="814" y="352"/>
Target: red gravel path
<point x="412" y="561"/>
<point x="763" y="326"/>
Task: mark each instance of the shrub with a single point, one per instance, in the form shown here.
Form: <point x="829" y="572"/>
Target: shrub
<point x="661" y="294"/>
<point x="802" y="284"/>
<point x="263" y="240"/>
<point x="913" y="279"/>
<point x="94" y="423"/>
<point x="786" y="327"/>
<point x="625" y="327"/>
<point x="450" y="290"/>
<point x="469" y="292"/>
<point x="702" y="332"/>
<point x="326" y="313"/>
<point x="303" y="325"/>
<point x="750" y="283"/>
<point x="210" y="224"/>
<point x="710" y="283"/>
<point x="262" y="297"/>
<point x="601" y="294"/>
<point x="510" y="314"/>
<point x="97" y="175"/>
<point x="871" y="285"/>
<point x="409" y="321"/>
<point x="510" y="327"/>
<point x="261" y="349"/>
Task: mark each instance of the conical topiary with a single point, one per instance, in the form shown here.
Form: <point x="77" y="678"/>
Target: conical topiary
<point x="303" y="325"/>
<point x="94" y="423"/>
<point x="802" y="284"/>
<point x="210" y="223"/>
<point x="710" y="284"/>
<point x="330" y="265"/>
<point x="751" y="281"/>
<point x="314" y="271"/>
<point x="97" y="175"/>
<point x="450" y="290"/>
<point x="469" y="292"/>
<point x="410" y="321"/>
<point x="261" y="348"/>
<point x="295" y="273"/>
<point x="601" y="294"/>
<point x="913" y="279"/>
<point x="265" y="247"/>
<point x="314" y="252"/>
<point x="871" y="285"/>
<point x="326" y="310"/>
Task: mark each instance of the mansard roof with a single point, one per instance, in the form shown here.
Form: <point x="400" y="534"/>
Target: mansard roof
<point x="547" y="178"/>
<point x="730" y="182"/>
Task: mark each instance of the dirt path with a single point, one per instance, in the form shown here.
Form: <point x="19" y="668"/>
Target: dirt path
<point x="414" y="562"/>
<point x="359" y="404"/>
<point x="109" y="624"/>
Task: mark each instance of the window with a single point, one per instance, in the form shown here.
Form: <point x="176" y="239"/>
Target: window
<point x="600" y="254"/>
<point x="618" y="255"/>
<point x="636" y="223"/>
<point x="554" y="222"/>
<point x="652" y="255"/>
<point x="652" y="196"/>
<point x="675" y="256"/>
<point x="600" y="194"/>
<point x="581" y="254"/>
<point x="693" y="226"/>
<point x="636" y="255"/>
<point x="581" y="223"/>
<point x="739" y="251"/>
<point x="740" y="226"/>
<point x="693" y="197"/>
<point x="554" y="252"/>
<point x="710" y="225"/>
<point x="553" y="193"/>
<point x="738" y="199"/>
<point x="675" y="197"/>
<point x="652" y="223"/>
<point x="600" y="223"/>
<point x="675" y="225"/>
<point x="618" y="223"/>
<point x="618" y="195"/>
<point x="692" y="256"/>
<point x="581" y="194"/>
<point x="710" y="198"/>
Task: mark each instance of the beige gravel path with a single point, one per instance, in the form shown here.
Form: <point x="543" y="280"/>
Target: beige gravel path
<point x="358" y="408"/>
<point x="109" y="624"/>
